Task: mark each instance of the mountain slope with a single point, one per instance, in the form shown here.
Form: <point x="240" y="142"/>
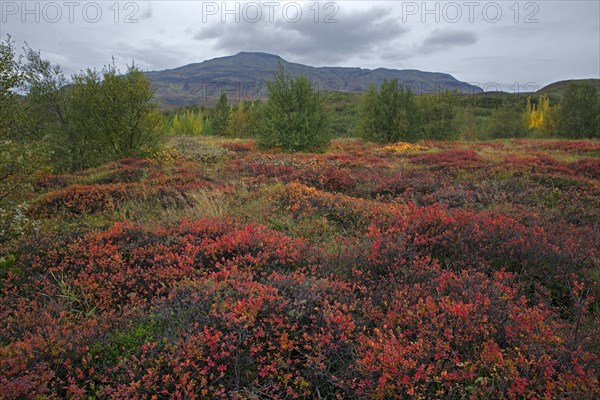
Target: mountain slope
<point x="557" y="89"/>
<point x="243" y="76"/>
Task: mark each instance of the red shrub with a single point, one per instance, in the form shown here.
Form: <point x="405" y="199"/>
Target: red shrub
<point x="487" y="241"/>
<point x="349" y="214"/>
<point x="535" y="163"/>
<point x="425" y="294"/>
<point x="239" y="147"/>
<point x="123" y="171"/>
<point x="128" y="265"/>
<point x="283" y="336"/>
<point x="51" y="182"/>
<point x="570" y="146"/>
<point x="321" y="176"/>
<point x="589" y="167"/>
<point x="80" y="199"/>
<point x="440" y="334"/>
<point x="409" y="181"/>
<point x="449" y="159"/>
<point x="106" y="197"/>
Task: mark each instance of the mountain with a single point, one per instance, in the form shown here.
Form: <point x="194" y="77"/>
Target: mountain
<point x="556" y="90"/>
<point x="243" y="76"/>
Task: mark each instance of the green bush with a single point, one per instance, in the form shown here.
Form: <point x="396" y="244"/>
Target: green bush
<point x="94" y="118"/>
<point x="507" y="121"/>
<point x="388" y="115"/>
<point x="579" y="115"/>
<point x="438" y="116"/>
<point x="111" y="116"/>
<point x="294" y="117"/>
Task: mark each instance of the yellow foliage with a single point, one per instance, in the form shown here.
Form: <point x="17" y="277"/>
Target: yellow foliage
<point x="403" y="147"/>
<point x="167" y="155"/>
<point x="536" y="114"/>
<point x="187" y="122"/>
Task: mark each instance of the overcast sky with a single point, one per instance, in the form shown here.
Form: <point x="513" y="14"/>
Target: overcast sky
<point x="481" y="42"/>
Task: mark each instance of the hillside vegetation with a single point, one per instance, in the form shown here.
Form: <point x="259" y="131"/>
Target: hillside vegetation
<point x="556" y="90"/>
<point x="212" y="269"/>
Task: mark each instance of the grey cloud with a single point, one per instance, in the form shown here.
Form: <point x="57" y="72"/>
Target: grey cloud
<point x="151" y="55"/>
<point x="355" y="33"/>
<point x="211" y="32"/>
<point x="440" y="40"/>
<point x="146" y="11"/>
<point x="307" y="40"/>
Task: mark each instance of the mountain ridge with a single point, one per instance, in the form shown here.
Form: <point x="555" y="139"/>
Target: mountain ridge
<point x="243" y="76"/>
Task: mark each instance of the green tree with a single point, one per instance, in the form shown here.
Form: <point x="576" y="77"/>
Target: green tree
<point x="11" y="79"/>
<point x="241" y="120"/>
<point x="188" y="122"/>
<point x="579" y="114"/>
<point x="550" y="127"/>
<point x="19" y="160"/>
<point x="388" y="115"/>
<point x="196" y="122"/>
<point x="507" y="121"/>
<point x="207" y="128"/>
<point x="438" y="119"/>
<point x="94" y="118"/>
<point x="221" y="116"/>
<point x="468" y="127"/>
<point x="111" y="116"/>
<point x="176" y="128"/>
<point x="47" y="96"/>
<point x="293" y="118"/>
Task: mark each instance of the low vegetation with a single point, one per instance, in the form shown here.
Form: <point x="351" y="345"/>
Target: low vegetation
<point x="425" y="270"/>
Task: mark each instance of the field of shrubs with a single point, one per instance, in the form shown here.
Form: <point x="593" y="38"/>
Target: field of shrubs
<point x="211" y="269"/>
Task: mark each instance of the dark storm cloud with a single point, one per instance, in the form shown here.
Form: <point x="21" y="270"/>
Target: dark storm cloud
<point x="306" y="40"/>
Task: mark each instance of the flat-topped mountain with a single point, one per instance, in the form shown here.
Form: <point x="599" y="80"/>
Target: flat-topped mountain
<point x="243" y="76"/>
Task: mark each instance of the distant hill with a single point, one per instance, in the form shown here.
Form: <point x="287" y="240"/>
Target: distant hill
<point x="557" y="89"/>
<point x="243" y="76"/>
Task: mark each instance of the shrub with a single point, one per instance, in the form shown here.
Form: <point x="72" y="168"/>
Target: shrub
<point x="437" y="335"/>
<point x="449" y="160"/>
<point x="388" y="115"/>
<point x="578" y="115"/>
<point x="403" y="147"/>
<point x="438" y="116"/>
<point x="488" y="241"/>
<point x="194" y="150"/>
<point x="589" y="167"/>
<point x="80" y="199"/>
<point x="293" y="117"/>
<point x="507" y="121"/>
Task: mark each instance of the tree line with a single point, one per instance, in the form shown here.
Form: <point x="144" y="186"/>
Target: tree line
<point x="98" y="116"/>
<point x="295" y="117"/>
